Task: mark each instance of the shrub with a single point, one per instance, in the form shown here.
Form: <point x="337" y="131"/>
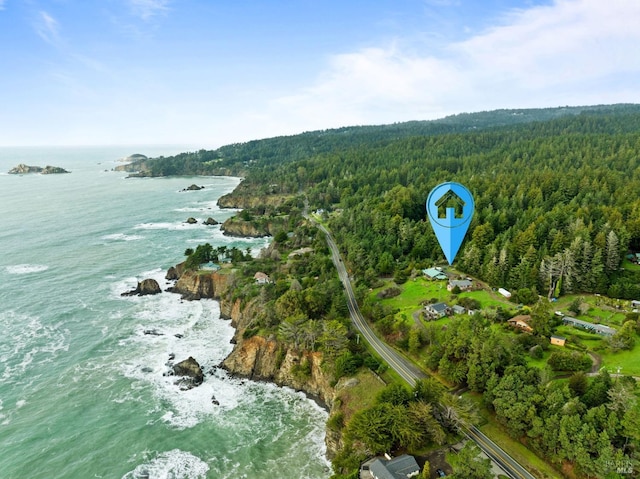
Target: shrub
<point x="536" y="352"/>
<point x="569" y="361"/>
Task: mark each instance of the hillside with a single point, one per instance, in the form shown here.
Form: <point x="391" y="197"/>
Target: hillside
<point x="239" y="158"/>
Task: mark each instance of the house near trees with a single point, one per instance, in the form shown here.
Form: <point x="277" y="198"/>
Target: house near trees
<point x="558" y="340"/>
<point x="504" y="292"/>
<point x="462" y="284"/>
<point x="434" y="274"/>
<point x="261" y="278"/>
<point x="521" y="322"/>
<point x="437" y="310"/>
<point x="401" y="467"/>
<point x="600" y="329"/>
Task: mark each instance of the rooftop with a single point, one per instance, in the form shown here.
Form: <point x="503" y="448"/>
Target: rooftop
<point x="434" y="273"/>
<point x="439" y="307"/>
<point x="596" y="328"/>
<point x="400" y="467"/>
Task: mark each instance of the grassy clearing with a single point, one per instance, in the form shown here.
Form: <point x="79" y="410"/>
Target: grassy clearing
<point x="601" y="310"/>
<point x="487" y="299"/>
<point x="416" y="291"/>
<point x="537" y="363"/>
<point x="360" y="396"/>
<point x="627" y="361"/>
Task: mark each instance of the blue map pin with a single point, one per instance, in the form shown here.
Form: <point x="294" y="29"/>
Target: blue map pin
<point x="450" y="208"/>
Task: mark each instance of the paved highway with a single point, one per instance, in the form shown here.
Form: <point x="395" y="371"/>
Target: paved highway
<point x="409" y="372"/>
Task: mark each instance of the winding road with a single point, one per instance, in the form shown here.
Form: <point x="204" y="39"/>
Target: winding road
<point x="409" y="371"/>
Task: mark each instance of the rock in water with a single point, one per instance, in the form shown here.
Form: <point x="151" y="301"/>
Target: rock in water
<point x="194" y="187"/>
<point x="146" y="286"/>
<point x="172" y="274"/>
<point x="23" y="169"/>
<point x="211" y="222"/>
<point x="191" y="372"/>
<point x="191" y="221"/>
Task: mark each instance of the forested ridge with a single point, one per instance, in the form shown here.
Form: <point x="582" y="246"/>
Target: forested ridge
<point x="239" y="158"/>
<point x="557" y="203"/>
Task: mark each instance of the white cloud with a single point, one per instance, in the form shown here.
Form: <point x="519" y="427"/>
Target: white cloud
<point x="570" y="52"/>
<point x="2" y="2"/>
<point x="147" y="9"/>
<point x="47" y="27"/>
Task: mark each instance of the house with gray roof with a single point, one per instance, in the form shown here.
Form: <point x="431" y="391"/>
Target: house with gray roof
<point x="401" y="467"/>
<point x="462" y="284"/>
<point x="590" y="327"/>
<point x="437" y="310"/>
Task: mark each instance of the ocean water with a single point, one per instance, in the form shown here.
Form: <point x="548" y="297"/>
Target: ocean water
<point x="82" y="390"/>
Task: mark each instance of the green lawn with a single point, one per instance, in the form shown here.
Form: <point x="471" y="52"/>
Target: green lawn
<point x="593" y="342"/>
<point x="626" y="264"/>
<point x="627" y="361"/>
<point x="413" y="293"/>
<point x="420" y="289"/>
<point x="487" y="299"/>
<point x="599" y="311"/>
<point x="538" y="363"/>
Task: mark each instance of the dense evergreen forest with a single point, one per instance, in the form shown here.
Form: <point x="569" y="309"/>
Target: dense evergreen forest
<point x="557" y="204"/>
<point x="556" y="192"/>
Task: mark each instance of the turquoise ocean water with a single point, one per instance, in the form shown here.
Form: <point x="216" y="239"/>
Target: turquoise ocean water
<point x="82" y="391"/>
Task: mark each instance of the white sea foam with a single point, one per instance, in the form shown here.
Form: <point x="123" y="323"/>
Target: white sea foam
<point x="200" y="206"/>
<point x="168" y="226"/>
<point x="31" y="342"/>
<point x="164" y="325"/>
<point x="20" y="403"/>
<point x="256" y="244"/>
<point x="175" y="464"/>
<point x="26" y="268"/>
<point x="122" y="237"/>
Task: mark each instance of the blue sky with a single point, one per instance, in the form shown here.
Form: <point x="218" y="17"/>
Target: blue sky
<point x="205" y="73"/>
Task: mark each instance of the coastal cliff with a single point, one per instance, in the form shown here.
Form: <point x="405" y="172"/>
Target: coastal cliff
<point x="235" y="226"/>
<point x="258" y="358"/>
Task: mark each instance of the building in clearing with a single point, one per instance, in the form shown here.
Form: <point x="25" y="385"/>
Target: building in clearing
<point x="457" y="309"/>
<point x="558" y="340"/>
<point x="463" y="284"/>
<point x="434" y="274"/>
<point x="401" y="467"/>
<point x="436" y="310"/>
<point x="590" y="327"/>
<point x="504" y="292"/>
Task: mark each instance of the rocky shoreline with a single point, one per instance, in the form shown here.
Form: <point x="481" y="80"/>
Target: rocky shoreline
<point x="257" y="358"/>
<point x="253" y="357"/>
